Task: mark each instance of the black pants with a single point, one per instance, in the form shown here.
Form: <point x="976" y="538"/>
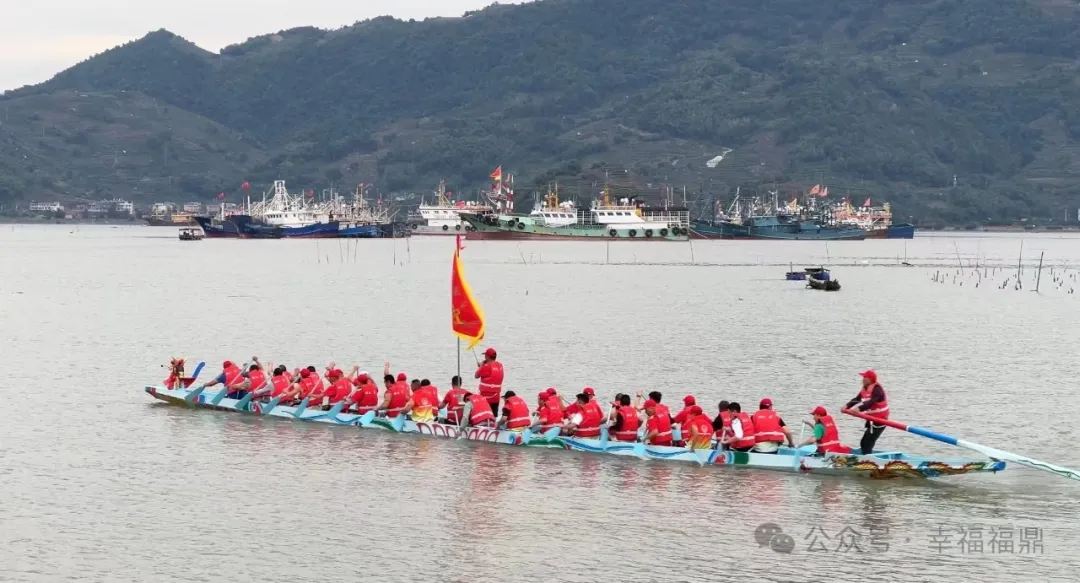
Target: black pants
<point x="870" y="437"/>
<point x="495" y="409"/>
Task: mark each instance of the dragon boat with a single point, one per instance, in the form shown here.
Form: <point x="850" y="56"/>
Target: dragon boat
<point x="885" y="465"/>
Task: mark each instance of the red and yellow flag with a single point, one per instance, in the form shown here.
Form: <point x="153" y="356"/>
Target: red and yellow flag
<point x="497" y="174"/>
<point x="467" y="319"/>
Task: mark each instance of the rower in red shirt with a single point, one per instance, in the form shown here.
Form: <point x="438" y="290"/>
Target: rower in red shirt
<point x="423" y="403"/>
<point x="396" y="396"/>
<point x="688" y="403"/>
<point x="872" y="401"/>
<point x="661" y="409"/>
<point x="658" y="426"/>
<point x="230" y="375"/>
<point x="340" y="387"/>
<point x="769" y="429"/>
<point x="490" y="374"/>
<point x="454" y="401"/>
<point x="477" y="411"/>
<point x="722" y="425"/>
<point x="625" y="421"/>
<point x="588" y="418"/>
<point x="366" y="396"/>
<point x="575" y="407"/>
<point x="549" y="412"/>
<point x="280" y="381"/>
<point x="697" y="429"/>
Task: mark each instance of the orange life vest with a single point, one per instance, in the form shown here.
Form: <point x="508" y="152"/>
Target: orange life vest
<point x="725" y="427"/>
<point x="703" y="425"/>
<point x="481" y="411"/>
<point x="399" y="397"/>
<point x="881" y="409"/>
<point x="767" y="426"/>
<point x="551" y="414"/>
<point x="748" y="439"/>
<point x="591" y="418"/>
<point x="232" y="375"/>
<point x="365" y="398"/>
<point x="629" y="426"/>
<point x="491" y="380"/>
<point x="257" y="378"/>
<point x="454" y="405"/>
<point x="830" y="442"/>
<point x="307" y="386"/>
<point x="519" y="413"/>
<point x="281" y="384"/>
<point x="661" y="423"/>
<point x="339" y="390"/>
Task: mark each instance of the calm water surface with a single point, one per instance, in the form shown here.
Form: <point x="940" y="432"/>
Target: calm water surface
<point x="106" y="485"/>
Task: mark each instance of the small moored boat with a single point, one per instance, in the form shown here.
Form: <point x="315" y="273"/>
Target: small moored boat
<point x="884" y="465"/>
<point x="191" y="234"/>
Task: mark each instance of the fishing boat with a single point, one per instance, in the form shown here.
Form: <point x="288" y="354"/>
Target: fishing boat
<point x="296" y="216"/>
<point x="822" y="281"/>
<point x="789" y="222"/>
<point x="191" y="234"/>
<point x="885" y="465"/>
<point x="552" y="219"/>
<point x="236" y="227"/>
<point x="164" y="214"/>
<point x="875" y="221"/>
<point x="444" y="217"/>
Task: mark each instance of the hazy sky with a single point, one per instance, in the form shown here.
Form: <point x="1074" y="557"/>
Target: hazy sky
<point x="39" y="38"/>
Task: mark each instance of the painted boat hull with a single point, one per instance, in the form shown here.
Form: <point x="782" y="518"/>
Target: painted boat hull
<point x="877" y="466"/>
<point x="428" y="230"/>
<point x="236" y="227"/>
<point x="315" y="231"/>
<point x="527" y="231"/>
<point x="901" y="231"/>
<point x="723" y="230"/>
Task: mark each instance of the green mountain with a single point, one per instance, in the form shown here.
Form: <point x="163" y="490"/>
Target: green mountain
<point x="955" y="111"/>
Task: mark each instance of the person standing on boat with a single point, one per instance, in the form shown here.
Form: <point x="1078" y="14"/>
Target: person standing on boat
<point x="722" y="424"/>
<point x="826" y="436"/>
<point x="454" y="401"/>
<point x="625" y="420"/>
<point x="490" y="375"/>
<point x="658" y="425"/>
<point x="769" y="429"/>
<point x="366" y="396"/>
<point x="698" y="430"/>
<point x="396" y="396"/>
<point x="742" y="430"/>
<point x="515" y="413"/>
<point x="872" y="401"/>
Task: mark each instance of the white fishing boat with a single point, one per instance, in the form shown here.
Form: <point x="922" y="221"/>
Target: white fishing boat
<point x="444" y="217"/>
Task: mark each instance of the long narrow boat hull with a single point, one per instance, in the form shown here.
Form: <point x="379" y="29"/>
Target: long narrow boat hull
<point x="877" y="466"/>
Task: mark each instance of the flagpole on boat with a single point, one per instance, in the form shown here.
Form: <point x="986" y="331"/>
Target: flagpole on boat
<point x="989" y="452"/>
<point x="459" y="357"/>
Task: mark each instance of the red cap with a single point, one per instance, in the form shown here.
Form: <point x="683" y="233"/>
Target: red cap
<point x="551" y="392"/>
<point x="766" y="402"/>
<point x="489" y="352"/>
<point x="869" y="375"/>
<point x="819" y="411"/>
<point x="334" y="373"/>
<point x="227" y="364"/>
<point x="542" y="395"/>
<point x="305" y="373"/>
<point x="650" y="404"/>
<point x="689" y="400"/>
<point x="402" y="376"/>
<point x="695" y="410"/>
<point x="589" y="391"/>
<point x="362" y="377"/>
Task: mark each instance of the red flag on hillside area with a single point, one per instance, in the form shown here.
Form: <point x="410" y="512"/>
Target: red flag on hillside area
<point x="867" y="203"/>
<point x="221" y="196"/>
<point x="245" y="185"/>
<point x="466" y="317"/>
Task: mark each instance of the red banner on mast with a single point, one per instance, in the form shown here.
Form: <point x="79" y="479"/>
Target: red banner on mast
<point x="466" y="317"/>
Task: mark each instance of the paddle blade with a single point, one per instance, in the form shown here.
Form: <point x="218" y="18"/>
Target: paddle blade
<point x="193" y="395"/>
<point x="526" y="436"/>
<point x="676" y="434"/>
<point x="703" y="455"/>
<point x="603" y="437"/>
<point x="808" y="449"/>
<point x="366" y="419"/>
<point x="639" y="450"/>
<point x="271" y="405"/>
<point x="301" y="408"/>
<point x="333" y="413"/>
<point x="1024" y="461"/>
<point x="552" y="434"/>
<point x="243" y="403"/>
<point x="219" y="396"/>
<point x="398" y="423"/>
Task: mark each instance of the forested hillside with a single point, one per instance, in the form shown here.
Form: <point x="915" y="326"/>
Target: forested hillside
<point x="956" y="111"/>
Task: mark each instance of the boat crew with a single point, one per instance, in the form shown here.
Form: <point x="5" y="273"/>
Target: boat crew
<point x="280" y="382"/>
<point x="742" y="430"/>
<point x="254" y="380"/>
<point x="477" y="411"/>
<point x="769" y="429"/>
<point x="722" y="424"/>
<point x="661" y="409"/>
<point x="423" y="403"/>
<point x="230" y="375"/>
<point x="396" y="396"/>
<point x="414" y="386"/>
<point x="688" y="403"/>
<point x="490" y="375"/>
<point x="658" y="426"/>
<point x="340" y="388"/>
<point x="625" y="420"/>
<point x="872" y="401"/>
<point x="549" y="411"/>
<point x="320" y="386"/>
<point x="698" y="429"/>
<point x="588" y="418"/>
<point x="575" y="407"/>
<point x="826" y="436"/>
<point x="366" y="396"/>
<point x="515" y="413"/>
<point x="454" y="401"/>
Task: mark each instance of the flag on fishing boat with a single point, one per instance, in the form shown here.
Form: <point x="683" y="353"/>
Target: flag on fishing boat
<point x="245" y="185"/>
<point x="497" y="174"/>
<point x="221" y="196"/>
<point x="467" y="319"/>
<point x="824" y="192"/>
<point x="815" y="190"/>
<point x="867" y="202"/>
